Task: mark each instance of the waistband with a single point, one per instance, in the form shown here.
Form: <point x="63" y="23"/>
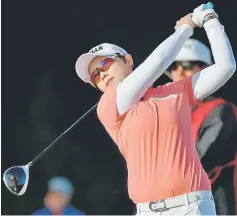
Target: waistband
<point x="177" y="201"/>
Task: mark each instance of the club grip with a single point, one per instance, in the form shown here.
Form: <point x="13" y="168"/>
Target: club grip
<point x="208" y="5"/>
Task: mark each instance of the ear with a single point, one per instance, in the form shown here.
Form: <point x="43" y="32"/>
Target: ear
<point x="180" y="70"/>
<point x="172" y="75"/>
<point x="129" y="60"/>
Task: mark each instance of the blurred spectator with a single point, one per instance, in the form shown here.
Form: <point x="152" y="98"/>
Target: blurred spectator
<point x="58" y="197"/>
<point x="214" y="124"/>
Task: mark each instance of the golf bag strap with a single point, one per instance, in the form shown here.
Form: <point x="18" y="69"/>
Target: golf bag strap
<point x="201" y="113"/>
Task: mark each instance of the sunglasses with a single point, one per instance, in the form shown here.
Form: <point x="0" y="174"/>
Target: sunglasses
<point x="187" y="65"/>
<point x="103" y="66"/>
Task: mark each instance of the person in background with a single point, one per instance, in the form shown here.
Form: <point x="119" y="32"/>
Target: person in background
<point x="58" y="197"/>
<point x="214" y="128"/>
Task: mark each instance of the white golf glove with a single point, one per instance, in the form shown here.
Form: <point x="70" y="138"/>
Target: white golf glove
<point x="200" y="16"/>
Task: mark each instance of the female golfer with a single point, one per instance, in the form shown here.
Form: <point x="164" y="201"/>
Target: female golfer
<point x="152" y="126"/>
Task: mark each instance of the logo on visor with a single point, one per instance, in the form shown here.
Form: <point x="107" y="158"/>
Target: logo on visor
<point x="116" y="49"/>
<point x="96" y="49"/>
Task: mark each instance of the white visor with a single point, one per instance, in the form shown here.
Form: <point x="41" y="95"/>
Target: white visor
<point x="84" y="60"/>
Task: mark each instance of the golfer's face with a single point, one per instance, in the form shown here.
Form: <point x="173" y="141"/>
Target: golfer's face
<point x="115" y="71"/>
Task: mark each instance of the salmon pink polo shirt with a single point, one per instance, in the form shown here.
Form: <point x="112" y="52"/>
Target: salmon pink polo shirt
<point x="155" y="138"/>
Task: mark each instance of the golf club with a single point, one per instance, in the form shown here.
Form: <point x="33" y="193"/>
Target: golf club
<point x="16" y="178"/>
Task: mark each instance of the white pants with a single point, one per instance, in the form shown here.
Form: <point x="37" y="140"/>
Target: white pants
<point x="195" y="203"/>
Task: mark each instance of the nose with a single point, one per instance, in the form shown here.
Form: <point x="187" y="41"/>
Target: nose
<point x="103" y="74"/>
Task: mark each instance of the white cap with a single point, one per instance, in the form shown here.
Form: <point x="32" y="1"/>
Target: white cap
<point x="194" y="50"/>
<point x="84" y="60"/>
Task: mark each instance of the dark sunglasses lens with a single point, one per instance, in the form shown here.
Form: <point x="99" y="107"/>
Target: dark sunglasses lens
<point x="187" y="65"/>
<point x="15" y="178"/>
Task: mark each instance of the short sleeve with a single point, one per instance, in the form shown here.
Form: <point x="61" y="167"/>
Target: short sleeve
<point x="107" y="112"/>
<point x="188" y="88"/>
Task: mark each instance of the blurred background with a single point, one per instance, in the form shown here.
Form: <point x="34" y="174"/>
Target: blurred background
<point x="42" y="95"/>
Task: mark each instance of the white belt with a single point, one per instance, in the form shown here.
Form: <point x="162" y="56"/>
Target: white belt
<point x="165" y="204"/>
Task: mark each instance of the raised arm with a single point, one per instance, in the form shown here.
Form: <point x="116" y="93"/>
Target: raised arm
<point x="212" y="78"/>
<point x="133" y="87"/>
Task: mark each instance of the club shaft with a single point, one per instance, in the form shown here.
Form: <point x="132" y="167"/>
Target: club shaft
<point x="168" y="74"/>
<point x="51" y="145"/>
